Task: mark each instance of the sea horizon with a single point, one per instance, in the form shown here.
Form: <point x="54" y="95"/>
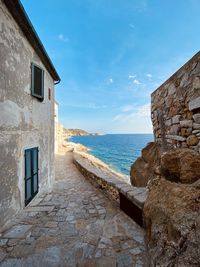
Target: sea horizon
<point x="123" y="133"/>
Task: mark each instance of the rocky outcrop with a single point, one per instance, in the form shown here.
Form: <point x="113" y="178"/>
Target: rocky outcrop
<point x="77" y="132"/>
<point x="74" y="147"/>
<point x="177" y="165"/>
<point x="181" y="165"/>
<point x="146" y="166"/>
<point x="172" y="209"/>
<point x="172" y="217"/>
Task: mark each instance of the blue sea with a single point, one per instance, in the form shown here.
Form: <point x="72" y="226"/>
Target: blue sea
<point x="119" y="151"/>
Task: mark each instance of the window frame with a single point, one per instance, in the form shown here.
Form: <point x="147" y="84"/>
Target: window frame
<point x="40" y="97"/>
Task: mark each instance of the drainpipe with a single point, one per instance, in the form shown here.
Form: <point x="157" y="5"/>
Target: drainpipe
<point x="57" y="82"/>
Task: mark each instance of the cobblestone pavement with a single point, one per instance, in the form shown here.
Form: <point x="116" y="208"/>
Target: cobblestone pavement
<point x="74" y="225"/>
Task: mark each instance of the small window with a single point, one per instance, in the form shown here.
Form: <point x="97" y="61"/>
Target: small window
<point x="37" y="82"/>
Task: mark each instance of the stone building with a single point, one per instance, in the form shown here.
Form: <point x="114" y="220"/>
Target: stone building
<point x="175" y="108"/>
<point x="27" y="79"/>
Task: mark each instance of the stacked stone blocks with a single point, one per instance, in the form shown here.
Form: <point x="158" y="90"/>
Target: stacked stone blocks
<point x="176" y="108"/>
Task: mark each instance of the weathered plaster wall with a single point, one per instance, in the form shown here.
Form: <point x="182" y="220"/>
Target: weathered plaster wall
<point x="59" y="129"/>
<point x="59" y="136"/>
<point x="176" y="108"/>
<point x="24" y="121"/>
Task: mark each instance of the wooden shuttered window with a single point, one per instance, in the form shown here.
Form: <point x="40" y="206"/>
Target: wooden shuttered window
<point x="31" y="173"/>
<point x="37" y="82"/>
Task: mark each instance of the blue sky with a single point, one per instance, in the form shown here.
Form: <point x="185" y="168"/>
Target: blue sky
<point x="112" y="54"/>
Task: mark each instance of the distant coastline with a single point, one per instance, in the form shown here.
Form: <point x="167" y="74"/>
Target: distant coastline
<point x="78" y="132"/>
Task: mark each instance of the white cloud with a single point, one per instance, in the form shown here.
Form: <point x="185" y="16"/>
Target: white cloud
<point x="131" y="112"/>
<point x="62" y="38"/>
<point x="127" y="108"/>
<point x="111" y="80"/>
<point x="95" y="106"/>
<point x="90" y="105"/>
<point x="144" y="111"/>
<point x="131" y="76"/>
<point x="149" y="75"/>
<point x="134" y="119"/>
<point x="117" y="59"/>
<point x="136" y="82"/>
<point x="132" y="26"/>
<point x="118" y="117"/>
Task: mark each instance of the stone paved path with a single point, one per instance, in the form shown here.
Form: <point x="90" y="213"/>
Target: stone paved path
<point x="75" y="225"/>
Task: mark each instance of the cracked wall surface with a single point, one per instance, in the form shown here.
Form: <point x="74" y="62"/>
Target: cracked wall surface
<point x="25" y="122"/>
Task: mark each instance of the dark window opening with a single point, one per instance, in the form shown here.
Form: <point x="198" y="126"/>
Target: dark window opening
<point x="37" y="82"/>
<point x="31" y="174"/>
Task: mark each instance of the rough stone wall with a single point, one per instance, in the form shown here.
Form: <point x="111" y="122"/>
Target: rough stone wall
<point x="24" y="122"/>
<point x="175" y="108"/>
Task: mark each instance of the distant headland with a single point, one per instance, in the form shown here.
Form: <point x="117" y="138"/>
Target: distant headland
<point x="78" y="132"/>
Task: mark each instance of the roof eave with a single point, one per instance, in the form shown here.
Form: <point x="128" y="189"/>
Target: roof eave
<point x="20" y="16"/>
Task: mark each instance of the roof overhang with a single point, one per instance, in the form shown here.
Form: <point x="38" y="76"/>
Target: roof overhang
<point x="20" y="16"/>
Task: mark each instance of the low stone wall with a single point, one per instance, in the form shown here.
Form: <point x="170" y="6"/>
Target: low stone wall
<point x="97" y="181"/>
<point x="176" y="108"/>
<point x="114" y="187"/>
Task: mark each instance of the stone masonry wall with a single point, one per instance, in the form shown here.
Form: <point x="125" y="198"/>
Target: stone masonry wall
<point x="175" y="108"/>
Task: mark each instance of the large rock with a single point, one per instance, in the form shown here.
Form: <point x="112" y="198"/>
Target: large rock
<point x="172" y="209"/>
<point x="172" y="218"/>
<point x="146" y="166"/>
<point x="181" y="165"/>
<point x="140" y="173"/>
